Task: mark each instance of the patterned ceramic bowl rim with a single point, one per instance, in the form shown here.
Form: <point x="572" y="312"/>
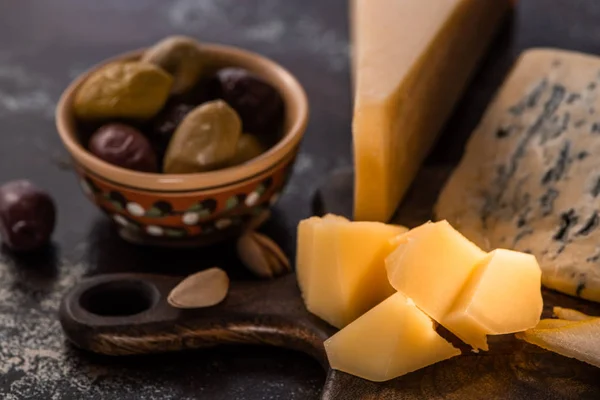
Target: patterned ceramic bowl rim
<point x="297" y="111"/>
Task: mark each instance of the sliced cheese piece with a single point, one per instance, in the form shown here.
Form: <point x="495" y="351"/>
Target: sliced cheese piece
<point x="530" y="176"/>
<point x="392" y="339"/>
<point x="341" y="266"/>
<point x="412" y="61"/>
<point x="431" y="265"/>
<point x="570" y="314"/>
<point x="554" y="323"/>
<point x="502" y="296"/>
<point x="579" y="340"/>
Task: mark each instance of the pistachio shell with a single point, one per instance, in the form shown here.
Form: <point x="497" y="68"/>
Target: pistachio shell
<point x="123" y="90"/>
<point x="181" y="57"/>
<point x="205" y="140"/>
<point x="273" y="249"/>
<point x="262" y="256"/>
<point x="251" y="254"/>
<point x="203" y="289"/>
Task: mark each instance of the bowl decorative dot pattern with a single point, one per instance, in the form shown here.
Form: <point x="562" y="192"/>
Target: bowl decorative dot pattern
<point x="199" y="208"/>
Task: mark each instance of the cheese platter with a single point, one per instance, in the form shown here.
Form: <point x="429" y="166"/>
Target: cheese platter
<point x="414" y="309"/>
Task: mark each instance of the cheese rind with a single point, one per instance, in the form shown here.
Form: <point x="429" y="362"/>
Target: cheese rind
<point x="431" y="265"/>
<point x="502" y="296"/>
<point x="530" y="177"/>
<point x="341" y="268"/>
<point x="412" y="61"/>
<point x="392" y="339"/>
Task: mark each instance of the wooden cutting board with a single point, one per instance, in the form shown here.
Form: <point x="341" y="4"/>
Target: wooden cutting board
<point x="127" y="314"/>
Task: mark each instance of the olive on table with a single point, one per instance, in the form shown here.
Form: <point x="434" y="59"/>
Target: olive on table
<point x="259" y="104"/>
<point x="181" y="57"/>
<point x="206" y="140"/>
<point x="124" y="146"/>
<point x="248" y="147"/>
<point x="27" y="216"/>
<point x="130" y="89"/>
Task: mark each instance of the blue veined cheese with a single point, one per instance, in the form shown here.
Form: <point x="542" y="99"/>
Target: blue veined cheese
<point x="530" y="176"/>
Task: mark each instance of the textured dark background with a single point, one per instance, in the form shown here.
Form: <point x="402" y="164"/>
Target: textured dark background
<point x="45" y="44"/>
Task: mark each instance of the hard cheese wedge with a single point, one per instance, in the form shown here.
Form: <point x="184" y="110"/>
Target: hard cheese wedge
<point x="501" y="296"/>
<point x="431" y="265"/>
<point x="412" y="60"/>
<point x="530" y="176"/>
<point x="580" y="340"/>
<point x="391" y="340"/>
<point x="341" y="267"/>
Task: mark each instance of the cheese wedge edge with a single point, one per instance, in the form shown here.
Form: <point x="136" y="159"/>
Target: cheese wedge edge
<point x="412" y="60"/>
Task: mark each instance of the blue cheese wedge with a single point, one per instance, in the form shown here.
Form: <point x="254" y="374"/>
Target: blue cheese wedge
<point x="530" y="176"/>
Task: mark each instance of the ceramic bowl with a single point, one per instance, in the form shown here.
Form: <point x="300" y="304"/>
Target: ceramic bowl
<point x="190" y="209"/>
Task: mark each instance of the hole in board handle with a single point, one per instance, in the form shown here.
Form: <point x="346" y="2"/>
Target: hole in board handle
<point x="119" y="298"/>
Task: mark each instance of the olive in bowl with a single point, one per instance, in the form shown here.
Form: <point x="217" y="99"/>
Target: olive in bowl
<point x="196" y="208"/>
<point x="125" y="146"/>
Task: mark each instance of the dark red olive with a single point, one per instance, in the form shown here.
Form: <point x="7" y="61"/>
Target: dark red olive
<point x="259" y="104"/>
<point x="27" y="216"/>
<point x="124" y="146"/>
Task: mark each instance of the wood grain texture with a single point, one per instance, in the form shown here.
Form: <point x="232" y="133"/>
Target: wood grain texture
<point x="272" y="313"/>
<point x="265" y="313"/>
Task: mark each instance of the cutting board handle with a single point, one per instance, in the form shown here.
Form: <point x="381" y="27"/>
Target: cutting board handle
<point x="127" y="314"/>
<point x="124" y="314"/>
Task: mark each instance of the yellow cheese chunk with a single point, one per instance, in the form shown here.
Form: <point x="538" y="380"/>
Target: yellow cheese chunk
<point x="305" y="247"/>
<point x="502" y="296"/>
<point x="304" y="251"/>
<point x="431" y="265"/>
<point x="412" y="60"/>
<point x="341" y="266"/>
<point x="391" y="340"/>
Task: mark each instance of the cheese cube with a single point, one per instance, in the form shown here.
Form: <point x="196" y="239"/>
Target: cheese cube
<point x="341" y="267"/>
<point x="502" y="296"/>
<point x="411" y="61"/>
<point x="391" y="340"/>
<point x="305" y="247"/>
<point x="431" y="265"/>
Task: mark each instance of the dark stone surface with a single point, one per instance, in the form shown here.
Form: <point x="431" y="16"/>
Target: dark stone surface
<point x="47" y="43"/>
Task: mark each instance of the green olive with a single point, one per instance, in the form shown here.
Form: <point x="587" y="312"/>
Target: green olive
<point x="123" y="90"/>
<point x="205" y="140"/>
<point x="181" y="57"/>
<point x="248" y="147"/>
